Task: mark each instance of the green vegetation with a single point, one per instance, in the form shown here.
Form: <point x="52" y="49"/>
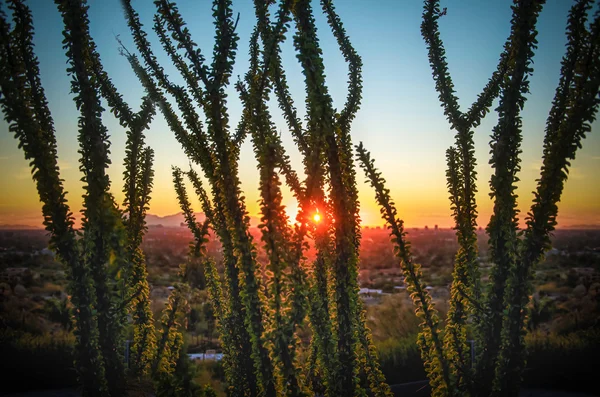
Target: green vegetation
<point x="342" y="354"/>
<point x="48" y="359"/>
<point x="496" y="319"/>
<point x="284" y="300"/>
<point x="106" y="268"/>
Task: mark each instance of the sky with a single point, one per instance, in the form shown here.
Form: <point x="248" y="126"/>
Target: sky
<point x="400" y="120"/>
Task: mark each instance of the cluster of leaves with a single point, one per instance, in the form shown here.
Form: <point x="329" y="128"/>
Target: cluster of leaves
<point x="497" y="318"/>
<point x="106" y="267"/>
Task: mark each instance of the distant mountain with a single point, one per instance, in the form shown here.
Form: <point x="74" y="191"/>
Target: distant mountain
<point x="174" y="220"/>
<point x="580" y="227"/>
<point x="18" y="227"/>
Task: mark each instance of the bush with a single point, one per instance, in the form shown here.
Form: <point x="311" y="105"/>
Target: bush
<point x="400" y="360"/>
<point x="392" y="319"/>
<point x="567" y="362"/>
<point x="45" y="361"/>
<point x="211" y="373"/>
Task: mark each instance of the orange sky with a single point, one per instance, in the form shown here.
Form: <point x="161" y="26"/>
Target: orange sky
<point x="400" y="120"/>
<point x="419" y="203"/>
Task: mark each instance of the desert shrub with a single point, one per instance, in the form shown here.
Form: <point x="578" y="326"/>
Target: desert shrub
<point x="400" y="360"/>
<point x="393" y="319"/>
<point x="44" y="361"/>
<point x="59" y="311"/>
<point x="553" y="288"/>
<point x="211" y="374"/>
<point x="576" y="314"/>
<point x="51" y="288"/>
<point x="541" y="310"/>
<point x="16" y="314"/>
<point x="568" y="362"/>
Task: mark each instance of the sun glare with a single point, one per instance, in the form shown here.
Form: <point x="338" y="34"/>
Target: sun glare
<point x="317" y="218"/>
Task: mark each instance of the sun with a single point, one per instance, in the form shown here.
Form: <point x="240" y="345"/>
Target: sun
<point x="317" y="218"/>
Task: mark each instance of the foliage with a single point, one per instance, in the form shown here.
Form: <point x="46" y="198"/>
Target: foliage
<point x="401" y="360"/>
<point x="169" y="368"/>
<point x="106" y="268"/>
<point x="59" y="311"/>
<point x="260" y="339"/>
<point x="498" y="316"/>
<point x="562" y="361"/>
<point x="262" y="311"/>
<point x="46" y="358"/>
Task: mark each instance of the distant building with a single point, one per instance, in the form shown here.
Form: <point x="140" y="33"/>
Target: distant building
<point x="369" y="291"/>
<point x="210" y="355"/>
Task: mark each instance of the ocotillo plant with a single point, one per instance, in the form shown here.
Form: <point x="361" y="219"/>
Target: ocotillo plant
<point x="341" y="343"/>
<point x="313" y="144"/>
<point x="498" y="316"/>
<point x="285" y="285"/>
<point x="331" y="132"/>
<point x="243" y="309"/>
<point x="138" y="178"/>
<point x="25" y="108"/>
<point x="107" y="273"/>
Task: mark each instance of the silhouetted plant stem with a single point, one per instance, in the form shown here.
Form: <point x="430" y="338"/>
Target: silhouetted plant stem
<point x="566" y="127"/>
<point x="505" y="144"/>
<point x="25" y="108"/>
<point x="430" y="337"/>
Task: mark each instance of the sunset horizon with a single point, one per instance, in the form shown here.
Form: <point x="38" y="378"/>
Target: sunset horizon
<point x="35" y="221"/>
<point x="400" y="120"/>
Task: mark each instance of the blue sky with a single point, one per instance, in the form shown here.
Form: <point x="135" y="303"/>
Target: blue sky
<point x="400" y="120"/>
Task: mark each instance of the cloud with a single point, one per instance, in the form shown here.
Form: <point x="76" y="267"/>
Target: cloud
<point x="2" y="158"/>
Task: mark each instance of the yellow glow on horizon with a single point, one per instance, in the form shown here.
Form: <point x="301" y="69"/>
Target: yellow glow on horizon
<point x="418" y="205"/>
